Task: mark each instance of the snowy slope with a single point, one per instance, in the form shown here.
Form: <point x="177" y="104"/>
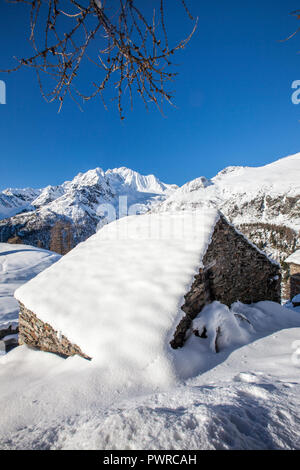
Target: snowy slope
<point x="118" y="295"/>
<point x="247" y="195"/>
<point x="247" y="398"/>
<point x="18" y="264"/>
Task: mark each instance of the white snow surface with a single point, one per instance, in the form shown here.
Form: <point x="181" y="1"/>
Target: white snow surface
<point x="242" y="398"/>
<point x="294" y="258"/>
<point x="118" y="295"/>
<point x="18" y="264"/>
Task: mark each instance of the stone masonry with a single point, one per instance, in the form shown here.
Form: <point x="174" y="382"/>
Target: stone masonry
<point x="294" y="280"/>
<point x="233" y="270"/>
<point x="40" y="335"/>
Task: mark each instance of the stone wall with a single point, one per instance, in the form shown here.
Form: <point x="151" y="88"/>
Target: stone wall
<point x="233" y="270"/>
<point x="294" y="279"/>
<point x="295" y="285"/>
<point x="35" y="333"/>
<point x="294" y="269"/>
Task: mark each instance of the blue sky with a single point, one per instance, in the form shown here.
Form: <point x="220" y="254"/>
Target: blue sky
<point x="233" y="98"/>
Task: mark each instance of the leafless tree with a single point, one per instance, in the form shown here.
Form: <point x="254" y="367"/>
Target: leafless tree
<point x="61" y="237"/>
<point x="132" y="51"/>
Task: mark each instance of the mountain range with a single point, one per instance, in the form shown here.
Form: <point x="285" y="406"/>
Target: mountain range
<point x="59" y="217"/>
<point x="263" y="202"/>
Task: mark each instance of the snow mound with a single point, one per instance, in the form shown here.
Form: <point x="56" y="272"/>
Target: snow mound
<point x="218" y="330"/>
<point x="118" y="295"/>
<point x="18" y="264"/>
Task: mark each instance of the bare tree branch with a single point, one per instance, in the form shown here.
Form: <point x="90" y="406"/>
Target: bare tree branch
<point x="297" y="14"/>
<point x="132" y="52"/>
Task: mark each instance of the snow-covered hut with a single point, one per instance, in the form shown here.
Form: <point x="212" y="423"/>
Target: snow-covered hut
<point x="294" y="264"/>
<point x="127" y="296"/>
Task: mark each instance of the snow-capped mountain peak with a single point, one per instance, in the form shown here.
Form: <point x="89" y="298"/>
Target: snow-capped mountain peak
<point x="229" y="170"/>
<point x="89" y="178"/>
<point x="196" y="184"/>
<point x="49" y="194"/>
<point x="136" y="182"/>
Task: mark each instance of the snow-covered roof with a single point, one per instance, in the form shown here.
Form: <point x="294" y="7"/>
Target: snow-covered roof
<point x="294" y="258"/>
<point x="118" y="295"/>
